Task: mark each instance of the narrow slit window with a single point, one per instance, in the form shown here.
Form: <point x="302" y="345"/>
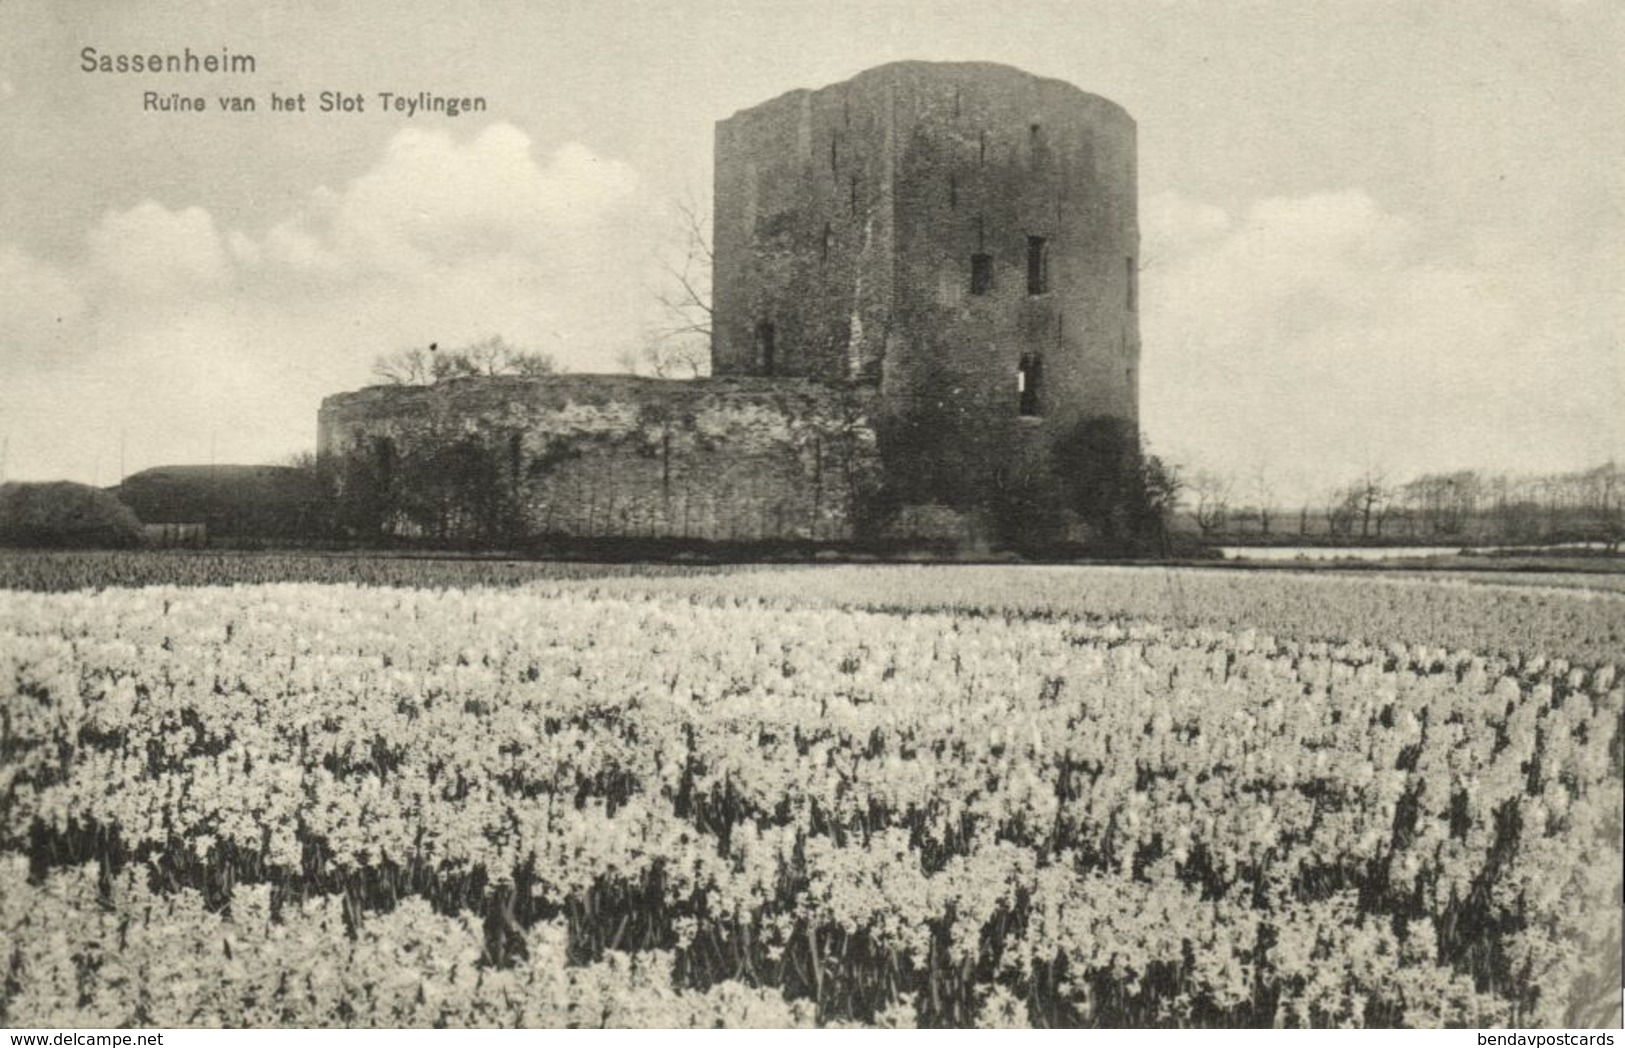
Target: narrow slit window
<point x="766" y="351"/>
<point x="853" y="195"/>
<point x="953" y="192"/>
<point x="1037" y="266"/>
<point x="981" y="274"/>
<point x="1133" y="276"/>
<point x="824" y="246"/>
<point x="1029" y="377"/>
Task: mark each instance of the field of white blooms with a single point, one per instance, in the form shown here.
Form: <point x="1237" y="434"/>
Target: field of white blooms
<point x="942" y="795"/>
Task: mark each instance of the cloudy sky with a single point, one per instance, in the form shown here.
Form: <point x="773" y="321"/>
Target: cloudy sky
<point x="1381" y="234"/>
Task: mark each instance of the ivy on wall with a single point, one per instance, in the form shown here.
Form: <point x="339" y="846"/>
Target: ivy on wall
<point x="679" y="461"/>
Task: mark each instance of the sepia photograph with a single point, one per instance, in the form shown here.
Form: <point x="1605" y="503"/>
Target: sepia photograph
<point x="905" y="514"/>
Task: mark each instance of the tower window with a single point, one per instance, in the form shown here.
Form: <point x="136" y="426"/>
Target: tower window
<point x="1029" y="376"/>
<point x="981" y="274"/>
<point x="1037" y="266"/>
<point x="824" y="247"/>
<point x="765" y="349"/>
<point x="1133" y="283"/>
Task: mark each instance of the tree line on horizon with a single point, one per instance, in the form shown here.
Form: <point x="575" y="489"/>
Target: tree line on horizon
<point x="1465" y="506"/>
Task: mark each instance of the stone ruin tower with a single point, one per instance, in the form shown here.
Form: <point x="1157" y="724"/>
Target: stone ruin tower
<point x="961" y="238"/>
<point x="924" y="312"/>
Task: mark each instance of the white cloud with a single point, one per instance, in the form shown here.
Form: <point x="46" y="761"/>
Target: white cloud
<point x="176" y="334"/>
<point x="150" y="250"/>
<point x="433" y="200"/>
<point x="1321" y="335"/>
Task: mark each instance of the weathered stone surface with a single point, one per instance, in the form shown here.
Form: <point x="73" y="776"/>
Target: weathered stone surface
<point x="846" y="223"/>
<point x="924" y="295"/>
<point x="604" y="455"/>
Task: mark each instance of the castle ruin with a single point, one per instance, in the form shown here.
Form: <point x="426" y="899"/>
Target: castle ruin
<point x="925" y="285"/>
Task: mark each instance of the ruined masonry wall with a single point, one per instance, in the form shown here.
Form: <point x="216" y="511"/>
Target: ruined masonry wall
<point x="622" y="456"/>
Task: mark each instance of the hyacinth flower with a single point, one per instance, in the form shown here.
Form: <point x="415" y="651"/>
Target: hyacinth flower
<point x="807" y="810"/>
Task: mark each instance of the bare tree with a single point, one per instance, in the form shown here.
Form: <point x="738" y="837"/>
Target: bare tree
<point x="686" y="358"/>
<point x="1212" y="493"/>
<point x="488" y="356"/>
<point x="1341" y="508"/>
<point x="679" y="345"/>
<point x="1262" y="490"/>
<point x="670" y="359"/>
<point x="449" y="364"/>
<point x="1604" y="489"/>
<point x="1374" y="499"/>
<point x="530" y="363"/>
<point x="1386" y="506"/>
<point x="687" y="301"/>
<point x="1367" y="501"/>
<point x="1421" y="498"/>
<point x="408" y="367"/>
<point x="1446" y="502"/>
<point x="1162" y="482"/>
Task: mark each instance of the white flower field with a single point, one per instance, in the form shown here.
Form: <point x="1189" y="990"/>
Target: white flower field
<point x="1050" y="796"/>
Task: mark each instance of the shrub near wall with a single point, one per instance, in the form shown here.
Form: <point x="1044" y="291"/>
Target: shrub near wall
<point x="272" y="502"/>
<point x="62" y="513"/>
